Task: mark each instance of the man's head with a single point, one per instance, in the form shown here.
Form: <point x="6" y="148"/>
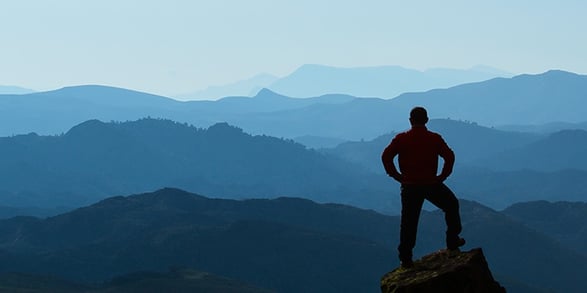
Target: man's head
<point x="418" y="116"/>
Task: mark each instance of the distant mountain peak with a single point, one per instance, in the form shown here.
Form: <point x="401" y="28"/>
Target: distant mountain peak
<point x="265" y="93"/>
<point x="223" y="128"/>
<point x="559" y="71"/>
<point x="171" y="195"/>
<point x="553" y="73"/>
<point x="87" y="127"/>
<point x="562" y="73"/>
<point x="101" y="94"/>
<point x="247" y="87"/>
<point x="96" y="134"/>
<point x="93" y="88"/>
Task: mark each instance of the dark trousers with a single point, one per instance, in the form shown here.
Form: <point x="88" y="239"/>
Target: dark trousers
<point x="413" y="196"/>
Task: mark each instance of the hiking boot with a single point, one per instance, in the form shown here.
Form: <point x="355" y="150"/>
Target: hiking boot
<point x="407" y="264"/>
<point x="458" y="243"/>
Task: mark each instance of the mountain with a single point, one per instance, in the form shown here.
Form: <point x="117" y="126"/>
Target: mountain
<point x="514" y="251"/>
<point x="96" y="159"/>
<point x="563" y="221"/>
<point x="313" y="80"/>
<point x="284" y="244"/>
<point x="287" y="245"/>
<point x="107" y="96"/>
<point x="248" y="87"/>
<point x="469" y="141"/>
<point x="353" y="120"/>
<point x="554" y="96"/>
<point x="525" y="99"/>
<point x="54" y="112"/>
<point x="265" y="101"/>
<point x="485" y="158"/>
<point x="501" y="189"/>
<point x="14" y="90"/>
<point x="559" y="151"/>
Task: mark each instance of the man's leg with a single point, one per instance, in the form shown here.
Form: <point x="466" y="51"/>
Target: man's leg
<point x="412" y="200"/>
<point x="442" y="197"/>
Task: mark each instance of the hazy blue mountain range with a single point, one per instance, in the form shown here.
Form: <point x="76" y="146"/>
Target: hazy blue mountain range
<point x="96" y="159"/>
<point x="500" y="189"/>
<point x="496" y="167"/>
<point x="471" y="142"/>
<point x="502" y="235"/>
<point x="248" y="87"/>
<point x="254" y="241"/>
<point x="554" y="96"/>
<point x="564" y="221"/>
<point x="285" y="244"/>
<point x="55" y="112"/>
<point x="14" y="90"/>
<point x="313" y="80"/>
<point x="561" y="150"/>
<point x="265" y="101"/>
<point x="525" y="99"/>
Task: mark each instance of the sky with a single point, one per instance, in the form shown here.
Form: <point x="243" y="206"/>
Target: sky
<point x="172" y="47"/>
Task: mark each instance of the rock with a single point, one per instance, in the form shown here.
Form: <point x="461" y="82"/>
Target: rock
<point x="442" y="271"/>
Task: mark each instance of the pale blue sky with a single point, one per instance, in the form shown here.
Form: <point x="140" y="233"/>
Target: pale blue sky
<point x="179" y="46"/>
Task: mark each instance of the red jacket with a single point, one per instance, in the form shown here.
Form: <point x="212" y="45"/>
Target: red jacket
<point x="418" y="150"/>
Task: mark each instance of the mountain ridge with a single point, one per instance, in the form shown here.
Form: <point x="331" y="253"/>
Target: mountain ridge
<point x="558" y="151"/>
<point x="372" y="81"/>
<point x="95" y="159"/>
<point x="246" y="87"/>
<point x="531" y="96"/>
<point x="553" y="96"/>
<point x="14" y="90"/>
<point x="297" y="238"/>
<point x="311" y="80"/>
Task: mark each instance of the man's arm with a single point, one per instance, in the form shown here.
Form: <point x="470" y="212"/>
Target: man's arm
<point x="387" y="158"/>
<point x="449" y="160"/>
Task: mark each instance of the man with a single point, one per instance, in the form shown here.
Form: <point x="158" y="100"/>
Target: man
<point x="418" y="150"/>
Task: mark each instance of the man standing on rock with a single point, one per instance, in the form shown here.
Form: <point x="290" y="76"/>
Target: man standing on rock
<point x="418" y="150"/>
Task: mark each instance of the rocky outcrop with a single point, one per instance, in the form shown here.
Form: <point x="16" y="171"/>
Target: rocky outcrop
<point x="440" y="272"/>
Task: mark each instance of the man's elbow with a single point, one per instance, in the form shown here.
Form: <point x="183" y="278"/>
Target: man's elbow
<point x="449" y="156"/>
<point x="386" y="155"/>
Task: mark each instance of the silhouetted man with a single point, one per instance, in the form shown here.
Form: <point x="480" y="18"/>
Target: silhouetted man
<point x="418" y="150"/>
